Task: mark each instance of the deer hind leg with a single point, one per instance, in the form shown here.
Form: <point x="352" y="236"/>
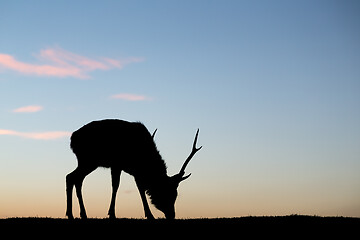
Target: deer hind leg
<point x="115" y="180"/>
<point x="76" y="178"/>
<point x="69" y="189"/>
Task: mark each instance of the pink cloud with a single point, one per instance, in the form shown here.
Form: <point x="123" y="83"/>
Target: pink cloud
<point x="28" y="109"/>
<point x="121" y="63"/>
<point x="36" y="135"/>
<point x="130" y="97"/>
<point x="62" y="63"/>
<point x="65" y="58"/>
<point x="9" y="62"/>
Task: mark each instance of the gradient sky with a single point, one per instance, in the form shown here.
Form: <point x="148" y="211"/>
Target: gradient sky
<point x="274" y="87"/>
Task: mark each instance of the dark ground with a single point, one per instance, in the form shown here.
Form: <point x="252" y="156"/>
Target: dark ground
<point x="235" y="228"/>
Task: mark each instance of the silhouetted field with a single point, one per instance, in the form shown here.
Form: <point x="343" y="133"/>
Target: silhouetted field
<point x="295" y="225"/>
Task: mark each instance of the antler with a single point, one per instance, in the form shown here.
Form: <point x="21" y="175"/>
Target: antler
<point x="193" y="151"/>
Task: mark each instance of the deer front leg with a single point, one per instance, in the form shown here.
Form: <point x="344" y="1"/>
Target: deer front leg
<point x="147" y="211"/>
<point x="115" y="179"/>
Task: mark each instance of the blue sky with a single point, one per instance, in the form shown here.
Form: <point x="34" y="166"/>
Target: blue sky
<point x="273" y="86"/>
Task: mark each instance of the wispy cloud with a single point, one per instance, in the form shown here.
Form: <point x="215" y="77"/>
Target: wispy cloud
<point x="62" y="63"/>
<point x="130" y="97"/>
<point x="28" y="109"/>
<point x="9" y="62"/>
<point x="36" y="135"/>
<point x="129" y="191"/>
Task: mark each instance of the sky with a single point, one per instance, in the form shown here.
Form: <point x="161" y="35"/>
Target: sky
<point x="273" y="86"/>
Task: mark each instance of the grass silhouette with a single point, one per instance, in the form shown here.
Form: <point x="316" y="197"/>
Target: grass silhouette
<point x="238" y="227"/>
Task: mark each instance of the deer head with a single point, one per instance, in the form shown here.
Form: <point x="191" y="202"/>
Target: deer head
<point x="165" y="196"/>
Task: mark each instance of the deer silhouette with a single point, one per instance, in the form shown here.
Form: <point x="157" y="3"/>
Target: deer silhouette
<point x="124" y="146"/>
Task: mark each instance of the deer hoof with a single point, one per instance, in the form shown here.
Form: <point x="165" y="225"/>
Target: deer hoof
<point x="83" y="215"/>
<point x="150" y="217"/>
<point x="70" y="216"/>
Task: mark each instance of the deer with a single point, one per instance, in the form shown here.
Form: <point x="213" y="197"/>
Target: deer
<point x="124" y="146"/>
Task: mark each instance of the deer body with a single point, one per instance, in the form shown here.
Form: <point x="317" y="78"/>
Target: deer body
<point x="123" y="146"/>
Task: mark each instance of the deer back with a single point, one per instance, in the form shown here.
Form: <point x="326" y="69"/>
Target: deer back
<point x="116" y="143"/>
